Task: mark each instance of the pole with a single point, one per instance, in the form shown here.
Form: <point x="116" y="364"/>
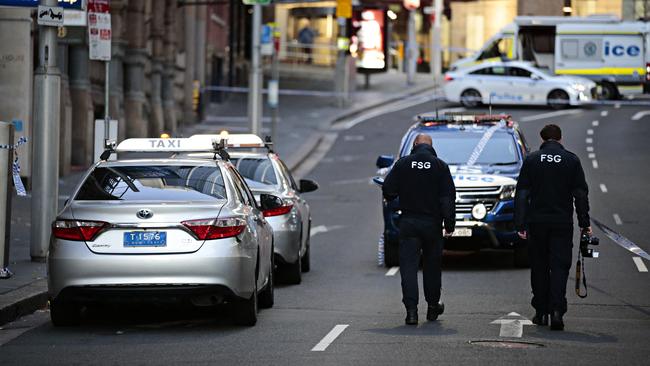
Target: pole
<point x="6" y="160"/>
<point x="254" y="80"/>
<point x="436" y="46"/>
<point x="107" y="118"/>
<point x="411" y="50"/>
<point x="341" y="78"/>
<point x="45" y="139"/>
<point x="275" y="72"/>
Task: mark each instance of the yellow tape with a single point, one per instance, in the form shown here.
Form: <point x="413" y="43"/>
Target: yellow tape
<point x="602" y="71"/>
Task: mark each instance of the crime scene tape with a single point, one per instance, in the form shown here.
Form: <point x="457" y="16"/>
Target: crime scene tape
<point x="621" y="240"/>
<point x="15" y="170"/>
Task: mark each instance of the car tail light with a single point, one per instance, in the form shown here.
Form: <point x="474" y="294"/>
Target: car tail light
<point x="448" y="78"/>
<point x="278" y="211"/>
<point x="77" y="230"/>
<point x="210" y="229"/>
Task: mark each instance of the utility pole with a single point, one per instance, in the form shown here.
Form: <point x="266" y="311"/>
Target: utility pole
<point x="255" y="76"/>
<point x="45" y="176"/>
<point x="436" y="49"/>
<point x="411" y="49"/>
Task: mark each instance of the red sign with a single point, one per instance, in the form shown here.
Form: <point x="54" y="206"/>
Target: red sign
<point x="99" y="6"/>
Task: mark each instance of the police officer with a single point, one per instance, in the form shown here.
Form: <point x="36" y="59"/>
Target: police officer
<point x="551" y="181"/>
<point x="426" y="193"/>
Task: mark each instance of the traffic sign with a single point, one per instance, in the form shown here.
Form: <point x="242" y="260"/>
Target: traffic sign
<point x="254" y="2"/>
<point x="67" y="4"/>
<point x="50" y="16"/>
<point x="344" y="9"/>
<point x="99" y="36"/>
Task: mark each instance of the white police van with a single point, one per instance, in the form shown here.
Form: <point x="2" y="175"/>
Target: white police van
<point x="614" y="54"/>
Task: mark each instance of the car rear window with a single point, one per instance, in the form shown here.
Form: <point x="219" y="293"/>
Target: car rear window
<point x="256" y="169"/>
<point x="153" y="183"/>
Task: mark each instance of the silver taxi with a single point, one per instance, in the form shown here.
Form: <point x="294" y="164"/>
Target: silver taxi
<point x="162" y="229"/>
<point x="266" y="173"/>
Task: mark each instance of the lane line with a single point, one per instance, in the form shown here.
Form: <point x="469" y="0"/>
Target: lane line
<point x="589" y="140"/>
<point x="592" y="156"/>
<point x="594" y="163"/>
<point x="392" y="271"/>
<point x="639" y="264"/>
<point x="590" y="148"/>
<point x="617" y="105"/>
<point x="329" y="338"/>
<point x="536" y="117"/>
<point x="604" y="113"/>
<point x="617" y="219"/>
<point x="595" y="123"/>
<point x="317" y="230"/>
<point x="603" y="188"/>
<point x="638" y="115"/>
<point x="590" y="132"/>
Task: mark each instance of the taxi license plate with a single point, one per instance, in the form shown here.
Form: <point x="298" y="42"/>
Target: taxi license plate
<point x="145" y="239"/>
<point x="462" y="232"/>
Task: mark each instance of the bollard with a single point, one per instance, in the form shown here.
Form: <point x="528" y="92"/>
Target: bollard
<point x="6" y="160"/>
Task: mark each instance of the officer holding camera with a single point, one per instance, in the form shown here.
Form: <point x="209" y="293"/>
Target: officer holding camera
<point x="550" y="183"/>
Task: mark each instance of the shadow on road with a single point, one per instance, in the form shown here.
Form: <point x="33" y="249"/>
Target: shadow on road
<point x="436" y="328"/>
<point x="573" y="336"/>
<point x="484" y="260"/>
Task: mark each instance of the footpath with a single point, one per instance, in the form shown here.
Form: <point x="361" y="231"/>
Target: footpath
<point x="301" y="123"/>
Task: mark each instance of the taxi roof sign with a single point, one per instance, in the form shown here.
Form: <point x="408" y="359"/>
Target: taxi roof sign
<point x="167" y="145"/>
<point x="245" y="140"/>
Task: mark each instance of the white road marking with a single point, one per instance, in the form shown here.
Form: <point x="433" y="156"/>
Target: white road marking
<point x="604" y="113"/>
<point x="594" y="163"/>
<point x="589" y="140"/>
<point x="638" y="115"/>
<point x="536" y="117"/>
<point x="617" y="219"/>
<point x="329" y="338"/>
<point x="595" y="123"/>
<point x="590" y="148"/>
<point x="354" y="138"/>
<point x="639" y="264"/>
<point x="603" y="188"/>
<point x="392" y="271"/>
<point x="592" y="155"/>
<point x="512" y="325"/>
<point x="590" y="132"/>
<point x="317" y="230"/>
<point x="617" y="105"/>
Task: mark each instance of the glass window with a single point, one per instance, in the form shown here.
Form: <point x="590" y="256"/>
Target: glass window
<point x="287" y="173"/>
<point x="494" y="70"/>
<point x="153" y="183"/>
<point x="519" y="72"/>
<point x="256" y="169"/>
<point x="239" y="187"/>
<point x="569" y="48"/>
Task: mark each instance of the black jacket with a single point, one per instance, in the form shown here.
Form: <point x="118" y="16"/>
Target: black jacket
<point x="550" y="183"/>
<point x="424" y="186"/>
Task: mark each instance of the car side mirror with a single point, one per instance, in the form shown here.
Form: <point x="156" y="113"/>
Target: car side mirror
<point x="378" y="181"/>
<point x="270" y="202"/>
<point x="308" y="185"/>
<point x="384" y="161"/>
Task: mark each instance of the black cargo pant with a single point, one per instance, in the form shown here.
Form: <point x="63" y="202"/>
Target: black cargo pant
<point x="550" y="248"/>
<point x="420" y="233"/>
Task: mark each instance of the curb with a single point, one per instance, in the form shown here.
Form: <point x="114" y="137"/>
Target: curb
<point x="23" y="301"/>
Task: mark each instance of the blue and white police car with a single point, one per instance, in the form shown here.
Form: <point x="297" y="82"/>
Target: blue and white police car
<point x="516" y="82"/>
<point x="484" y="154"/>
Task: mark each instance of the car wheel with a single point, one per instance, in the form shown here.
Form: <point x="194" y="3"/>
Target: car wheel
<point x="521" y="256"/>
<point x="248" y="310"/>
<point x="609" y="91"/>
<point x="470" y="98"/>
<point x="266" y="298"/>
<point x="306" y="261"/>
<point x="65" y="314"/>
<point x="293" y="272"/>
<point x="391" y="254"/>
<point x="558" y="99"/>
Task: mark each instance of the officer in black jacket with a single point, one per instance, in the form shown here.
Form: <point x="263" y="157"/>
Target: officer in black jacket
<point x="427" y="199"/>
<point x="550" y="183"/>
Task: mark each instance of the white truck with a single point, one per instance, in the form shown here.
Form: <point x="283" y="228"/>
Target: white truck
<point x="614" y="54"/>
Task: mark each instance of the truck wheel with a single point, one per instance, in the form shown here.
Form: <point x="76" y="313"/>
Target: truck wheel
<point x="558" y="99"/>
<point x="470" y="98"/>
<point x="65" y="314"/>
<point x="391" y="254"/>
<point x="521" y="256"/>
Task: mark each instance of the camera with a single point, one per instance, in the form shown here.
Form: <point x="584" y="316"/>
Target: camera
<point x="585" y="241"/>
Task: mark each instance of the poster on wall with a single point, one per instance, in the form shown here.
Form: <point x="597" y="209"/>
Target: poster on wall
<point x="368" y="43"/>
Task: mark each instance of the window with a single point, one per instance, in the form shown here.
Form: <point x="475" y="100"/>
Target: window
<point x="569" y="48"/>
<point x="285" y="171"/>
<point x="494" y="70"/>
<point x="519" y="72"/>
<point x="256" y="169"/>
<point x="153" y="183"/>
<point x="239" y="187"/>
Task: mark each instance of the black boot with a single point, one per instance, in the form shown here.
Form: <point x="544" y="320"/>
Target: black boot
<point x="556" y="321"/>
<point x="540" y="319"/>
<point x="411" y="316"/>
<point x="434" y="310"/>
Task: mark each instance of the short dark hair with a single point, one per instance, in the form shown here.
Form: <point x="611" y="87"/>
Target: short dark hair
<point x="551" y="132"/>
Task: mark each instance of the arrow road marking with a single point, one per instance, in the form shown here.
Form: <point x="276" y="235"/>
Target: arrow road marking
<point x="512" y="325"/>
<point x="329" y="338"/>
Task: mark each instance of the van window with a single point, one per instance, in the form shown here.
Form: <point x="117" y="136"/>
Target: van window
<point x="569" y="48"/>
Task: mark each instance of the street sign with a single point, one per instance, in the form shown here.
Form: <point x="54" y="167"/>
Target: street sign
<point x="254" y="2"/>
<point x="99" y="6"/>
<point x="99" y="36"/>
<point x="50" y="16"/>
<point x="266" y="40"/>
<point x="68" y="4"/>
<point x="344" y="9"/>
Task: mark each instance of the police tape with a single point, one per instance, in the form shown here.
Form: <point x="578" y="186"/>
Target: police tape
<point x="15" y="169"/>
<point x="620" y="240"/>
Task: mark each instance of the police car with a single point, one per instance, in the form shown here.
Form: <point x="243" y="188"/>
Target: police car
<point x="516" y="82"/>
<point x="160" y="228"/>
<point x="484" y="154"/>
<point x="266" y="173"/>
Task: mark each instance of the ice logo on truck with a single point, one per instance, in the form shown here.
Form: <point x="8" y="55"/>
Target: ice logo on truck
<point x="620" y="50"/>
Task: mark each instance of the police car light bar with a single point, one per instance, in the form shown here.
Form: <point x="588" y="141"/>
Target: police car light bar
<point x="466" y="118"/>
<point x="241" y="140"/>
<point x="167" y="145"/>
